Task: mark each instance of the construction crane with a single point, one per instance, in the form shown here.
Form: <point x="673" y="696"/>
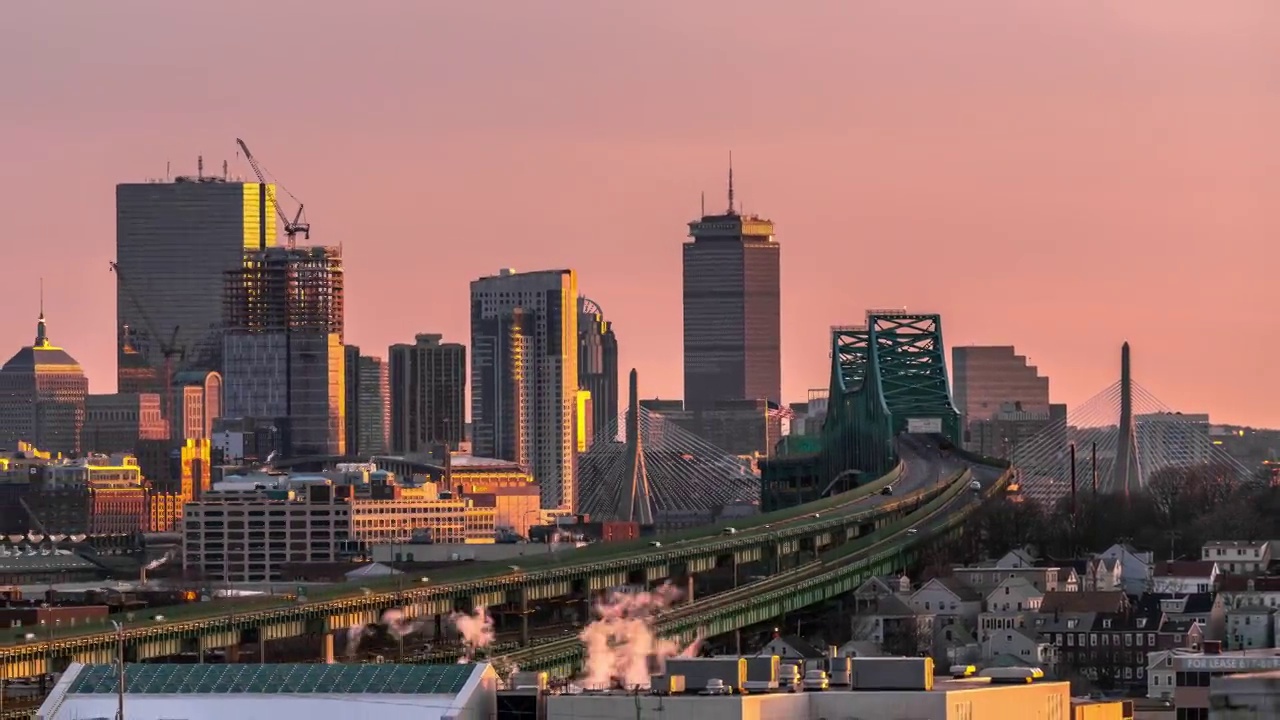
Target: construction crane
<point x="291" y="227"/>
<point x="169" y="350"/>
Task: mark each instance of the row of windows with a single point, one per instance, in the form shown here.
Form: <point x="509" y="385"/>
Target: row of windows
<point x="1130" y="639"/>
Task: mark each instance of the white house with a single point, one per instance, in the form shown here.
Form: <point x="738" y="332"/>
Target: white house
<point x="1239" y="591"/>
<point x="1161" y="674"/>
<point x="791" y="647"/>
<point x="1015" y="559"/>
<point x="1021" y="643"/>
<point x="1241" y="557"/>
<point x="869" y="593"/>
<point x="985" y="578"/>
<point x="1014" y="595"/>
<point x="1184" y="576"/>
<point x="947" y="598"/>
<point x="1103" y="575"/>
<point x="1249" y="627"/>
<point x="1135" y="566"/>
<point x="891" y="621"/>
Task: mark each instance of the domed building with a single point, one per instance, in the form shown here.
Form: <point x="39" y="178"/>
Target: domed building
<point x="42" y="391"/>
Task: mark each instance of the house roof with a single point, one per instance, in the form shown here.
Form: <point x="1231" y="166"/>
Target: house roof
<point x="961" y="591"/>
<point x="893" y="606"/>
<point x="1241" y="583"/>
<point x="277" y="679"/>
<point x="1065" y="573"/>
<point x="1019" y="583"/>
<point x="1180" y="626"/>
<point x="1250" y="610"/>
<point x="1236" y="544"/>
<point x="802" y="647"/>
<point x="1185" y="568"/>
<point x="1144" y="621"/>
<point x="1061" y="622"/>
<point x="1093" y="601"/>
<point x="1193" y="603"/>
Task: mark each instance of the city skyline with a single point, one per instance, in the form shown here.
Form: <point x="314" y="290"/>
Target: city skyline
<point x="1041" y="195"/>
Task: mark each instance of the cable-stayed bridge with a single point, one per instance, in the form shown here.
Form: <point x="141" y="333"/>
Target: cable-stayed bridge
<point x="1122" y="437"/>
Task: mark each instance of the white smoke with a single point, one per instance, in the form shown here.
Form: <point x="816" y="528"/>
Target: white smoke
<point x="621" y="644"/>
<point x="398" y="625"/>
<point x="157" y="562"/>
<point x="476" y="630"/>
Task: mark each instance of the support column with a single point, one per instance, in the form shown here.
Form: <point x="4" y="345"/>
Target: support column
<point x="688" y="593"/>
<point x="262" y="646"/>
<point x="524" y="619"/>
<point x="232" y="653"/>
<point x="439" y="628"/>
<point x="326" y="648"/>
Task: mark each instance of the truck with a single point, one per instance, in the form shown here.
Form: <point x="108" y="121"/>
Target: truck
<point x="893" y="673"/>
<point x="731" y="673"/>
<point x="762" y="673"/>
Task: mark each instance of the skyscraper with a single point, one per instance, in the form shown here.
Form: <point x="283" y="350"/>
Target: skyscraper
<point x="732" y="320"/>
<point x="598" y="365"/>
<point x="986" y="379"/>
<point x="524" y="374"/>
<point x="428" y="394"/>
<point x="42" y="396"/>
<point x="284" y="358"/>
<point x="351" y="403"/>
<point x="174" y="242"/>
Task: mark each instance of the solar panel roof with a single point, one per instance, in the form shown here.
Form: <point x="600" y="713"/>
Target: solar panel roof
<point x="282" y="679"/>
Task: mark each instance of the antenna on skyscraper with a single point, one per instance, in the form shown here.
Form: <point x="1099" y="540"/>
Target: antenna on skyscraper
<point x="200" y="166"/>
<point x="704" y="203"/>
<point x="730" y="182"/>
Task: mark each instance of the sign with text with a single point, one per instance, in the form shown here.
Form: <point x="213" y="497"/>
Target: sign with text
<point x="924" y="426"/>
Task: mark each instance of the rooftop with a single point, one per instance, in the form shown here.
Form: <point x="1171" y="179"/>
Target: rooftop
<point x="290" y="679"/>
<point x="1185" y="568"/>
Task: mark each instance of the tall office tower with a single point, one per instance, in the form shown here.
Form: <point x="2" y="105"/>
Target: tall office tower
<point x="351" y="406"/>
<point x="524" y="375"/>
<point x="283" y="356"/>
<point x="986" y="380"/>
<point x="598" y="365"/>
<point x="374" y="427"/>
<point x="174" y="242"/>
<point x="428" y="388"/>
<point x="42" y="396"/>
<point x="732" y="312"/>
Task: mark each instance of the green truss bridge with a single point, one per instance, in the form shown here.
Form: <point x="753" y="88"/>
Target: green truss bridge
<point x="891" y="418"/>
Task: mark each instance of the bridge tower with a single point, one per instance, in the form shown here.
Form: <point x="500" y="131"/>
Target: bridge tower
<point x="1126" y="471"/>
<point x="635" y="503"/>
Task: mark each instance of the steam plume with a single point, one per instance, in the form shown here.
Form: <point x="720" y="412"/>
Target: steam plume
<point x="620" y="642"/>
<point x="476" y="630"/>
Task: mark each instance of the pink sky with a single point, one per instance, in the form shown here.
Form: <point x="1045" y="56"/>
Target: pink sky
<point x="1057" y="175"/>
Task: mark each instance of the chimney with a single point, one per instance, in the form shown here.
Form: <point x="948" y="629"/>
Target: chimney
<point x="1212" y="647"/>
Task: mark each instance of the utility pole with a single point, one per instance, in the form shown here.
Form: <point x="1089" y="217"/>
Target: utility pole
<point x="1173" y="536"/>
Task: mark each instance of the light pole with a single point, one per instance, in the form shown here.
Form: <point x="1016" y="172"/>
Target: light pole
<point x="120" y="663"/>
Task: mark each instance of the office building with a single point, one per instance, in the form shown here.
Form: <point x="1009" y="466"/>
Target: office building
<point x="42" y="396"/>
<point x="732" y="312"/>
<point x="283" y="358"/>
<point x="174" y="242"/>
<point x="351" y="390"/>
<point x="428" y="387"/>
<point x="374" y="405"/>
<point x="987" y="380"/>
<point x="598" y="366"/>
<point x="524" y="375"/>
<point x="199" y="394"/>
<point x="317" y="519"/>
<point x="115" y="423"/>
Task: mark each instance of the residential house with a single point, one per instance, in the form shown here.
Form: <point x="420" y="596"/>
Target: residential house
<point x="1198" y="607"/>
<point x="949" y="599"/>
<point x="985" y="578"/>
<point x="1238" y="590"/>
<point x="1249" y="627"/>
<point x="1103" y="575"/>
<point x="869" y="593"/>
<point x="1068" y="580"/>
<point x="1238" y="557"/>
<point x="1008" y="605"/>
<point x="894" y="626"/>
<point x="1135" y="566"/>
<point x="1161" y="673"/>
<point x="1184" y="576"/>
<point x="1023" y="644"/>
<point x="1016" y="559"/>
<point x="1181" y="635"/>
<point x="793" y="647"/>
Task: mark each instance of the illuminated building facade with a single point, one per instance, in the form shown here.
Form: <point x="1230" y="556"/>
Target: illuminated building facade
<point x="42" y="397"/>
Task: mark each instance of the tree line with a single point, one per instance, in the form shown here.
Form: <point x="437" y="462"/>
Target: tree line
<point x="1179" y="510"/>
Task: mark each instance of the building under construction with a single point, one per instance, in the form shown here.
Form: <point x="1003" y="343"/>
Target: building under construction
<point x="283" y="355"/>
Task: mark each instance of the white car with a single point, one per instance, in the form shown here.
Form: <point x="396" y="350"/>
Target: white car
<point x="975" y="486"/>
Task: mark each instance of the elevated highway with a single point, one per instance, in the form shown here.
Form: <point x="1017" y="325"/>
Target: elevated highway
<point x="888" y="380"/>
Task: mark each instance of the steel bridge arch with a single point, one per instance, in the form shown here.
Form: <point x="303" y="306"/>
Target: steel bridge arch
<point x="884" y="373"/>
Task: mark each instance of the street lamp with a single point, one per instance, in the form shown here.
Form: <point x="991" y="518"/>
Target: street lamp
<point x="120" y="663"/>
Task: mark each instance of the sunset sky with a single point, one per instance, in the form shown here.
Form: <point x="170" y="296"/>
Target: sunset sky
<point x="1056" y="175"/>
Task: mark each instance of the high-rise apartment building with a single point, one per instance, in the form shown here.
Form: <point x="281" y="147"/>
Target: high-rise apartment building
<point x="598" y="366"/>
<point x="283" y="355"/>
<point x="351" y="405"/>
<point x="524" y="375"/>
<point x="374" y="428"/>
<point x="42" y="395"/>
<point x="986" y="380"/>
<point x="174" y="242"/>
<point x="428" y="388"/>
<point x="732" y="311"/>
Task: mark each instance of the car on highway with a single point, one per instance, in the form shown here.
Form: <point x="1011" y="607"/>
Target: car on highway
<point x="975" y="486"/>
<point x="886" y="490"/>
<point x="731" y="531"/>
<point x="912" y="531"/>
<point x="656" y="544"/>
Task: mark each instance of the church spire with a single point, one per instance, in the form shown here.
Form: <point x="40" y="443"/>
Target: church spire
<point x="42" y="332"/>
